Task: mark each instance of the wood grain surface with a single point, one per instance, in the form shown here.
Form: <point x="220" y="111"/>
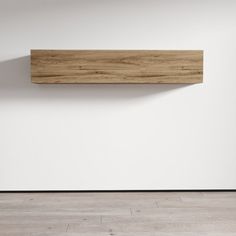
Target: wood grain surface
<point x="116" y="66"/>
<point x="118" y="214"/>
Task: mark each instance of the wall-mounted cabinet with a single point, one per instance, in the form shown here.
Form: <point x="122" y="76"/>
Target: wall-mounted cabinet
<point x="116" y="66"/>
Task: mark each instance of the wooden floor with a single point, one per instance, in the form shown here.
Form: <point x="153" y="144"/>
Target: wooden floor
<point x="121" y="214"/>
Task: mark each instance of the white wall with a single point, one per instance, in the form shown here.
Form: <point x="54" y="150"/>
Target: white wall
<point x="117" y="136"/>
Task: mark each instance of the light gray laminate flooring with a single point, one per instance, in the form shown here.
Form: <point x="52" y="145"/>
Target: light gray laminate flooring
<point x="118" y="214"/>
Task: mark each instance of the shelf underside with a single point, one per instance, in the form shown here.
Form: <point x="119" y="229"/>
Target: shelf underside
<point x="116" y="66"/>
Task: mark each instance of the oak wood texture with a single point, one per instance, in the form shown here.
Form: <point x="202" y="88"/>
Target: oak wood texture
<point x="118" y="214"/>
<point x="116" y="66"/>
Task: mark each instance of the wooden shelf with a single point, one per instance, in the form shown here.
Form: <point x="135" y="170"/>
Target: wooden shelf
<point x="116" y="66"/>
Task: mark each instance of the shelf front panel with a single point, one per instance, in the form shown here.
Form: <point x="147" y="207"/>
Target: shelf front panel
<point x="116" y="66"/>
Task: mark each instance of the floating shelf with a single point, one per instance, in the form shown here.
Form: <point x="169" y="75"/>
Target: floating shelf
<point x="116" y="66"/>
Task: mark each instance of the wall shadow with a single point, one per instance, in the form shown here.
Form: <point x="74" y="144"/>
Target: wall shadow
<point x="15" y="84"/>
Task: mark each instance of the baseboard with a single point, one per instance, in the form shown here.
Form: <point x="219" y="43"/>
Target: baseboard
<point x="112" y="191"/>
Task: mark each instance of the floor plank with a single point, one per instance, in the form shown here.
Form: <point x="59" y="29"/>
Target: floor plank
<point x="118" y="213"/>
